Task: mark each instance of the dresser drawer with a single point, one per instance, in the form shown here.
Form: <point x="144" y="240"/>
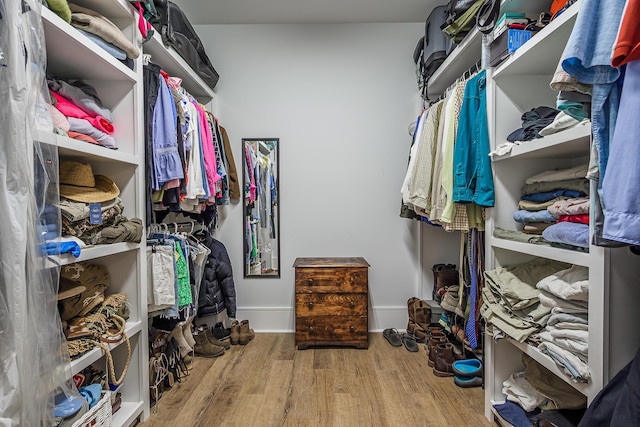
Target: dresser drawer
<point x="325" y="329"/>
<point x="331" y="304"/>
<point x="328" y="280"/>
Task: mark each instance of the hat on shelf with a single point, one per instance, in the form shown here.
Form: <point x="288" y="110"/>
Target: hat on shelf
<point x="94" y="278"/>
<point x="69" y="288"/>
<point x="78" y="183"/>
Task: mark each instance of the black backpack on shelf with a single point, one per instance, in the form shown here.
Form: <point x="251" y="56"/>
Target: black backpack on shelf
<point x="177" y="32"/>
<point x="432" y="48"/>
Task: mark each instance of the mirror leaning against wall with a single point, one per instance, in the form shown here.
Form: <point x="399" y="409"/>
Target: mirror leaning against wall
<point x="260" y="162"/>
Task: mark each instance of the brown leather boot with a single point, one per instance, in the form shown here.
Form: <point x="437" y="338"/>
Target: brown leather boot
<point x="432" y="347"/>
<point x="205" y="348"/>
<point x="437" y="330"/>
<point x="246" y="333"/>
<point x="213" y="340"/>
<point x="419" y="318"/>
<point x="444" y="360"/>
<point x="235" y="333"/>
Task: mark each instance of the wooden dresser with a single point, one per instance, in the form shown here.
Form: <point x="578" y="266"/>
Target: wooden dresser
<point x="332" y="297"/>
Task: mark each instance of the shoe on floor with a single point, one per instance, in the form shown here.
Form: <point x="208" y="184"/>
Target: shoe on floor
<point x="467" y="368"/>
<point x="467" y="382"/>
<point x="220" y="332"/>
<point x="410" y="342"/>
<point x="393" y="337"/>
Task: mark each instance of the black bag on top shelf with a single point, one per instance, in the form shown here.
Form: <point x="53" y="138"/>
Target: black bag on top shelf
<point x="177" y="32"/>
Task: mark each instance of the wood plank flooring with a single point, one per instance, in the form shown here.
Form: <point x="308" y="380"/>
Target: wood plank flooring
<point x="269" y="383"/>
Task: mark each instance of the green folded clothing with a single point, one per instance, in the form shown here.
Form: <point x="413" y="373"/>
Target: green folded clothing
<point x="60" y="8"/>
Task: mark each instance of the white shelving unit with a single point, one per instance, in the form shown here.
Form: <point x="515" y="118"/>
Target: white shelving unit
<point x="468" y="52"/>
<point x="173" y="64"/>
<point x="72" y="55"/>
<point x="515" y="86"/>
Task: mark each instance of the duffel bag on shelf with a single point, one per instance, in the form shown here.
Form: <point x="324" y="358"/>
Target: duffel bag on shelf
<point x="177" y="32"/>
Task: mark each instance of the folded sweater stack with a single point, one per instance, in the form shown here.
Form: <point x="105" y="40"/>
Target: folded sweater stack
<point x="77" y="111"/>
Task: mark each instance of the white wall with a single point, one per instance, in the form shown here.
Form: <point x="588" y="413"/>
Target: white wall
<point x="340" y="98"/>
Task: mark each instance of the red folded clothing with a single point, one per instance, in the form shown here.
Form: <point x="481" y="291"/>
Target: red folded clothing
<point x="69" y="109"/>
<point x="579" y="218"/>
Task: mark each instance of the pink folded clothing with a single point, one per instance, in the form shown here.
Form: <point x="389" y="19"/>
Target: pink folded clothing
<point x="59" y="120"/>
<point x="69" y="109"/>
<point x="82" y="137"/>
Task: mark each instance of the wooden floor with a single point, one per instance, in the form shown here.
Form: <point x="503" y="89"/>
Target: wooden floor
<point x="269" y="383"/>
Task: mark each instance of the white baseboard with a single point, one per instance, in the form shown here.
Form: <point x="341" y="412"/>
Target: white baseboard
<point x="282" y="319"/>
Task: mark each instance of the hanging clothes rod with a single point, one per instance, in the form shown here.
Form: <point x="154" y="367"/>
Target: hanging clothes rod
<point x="467" y="74"/>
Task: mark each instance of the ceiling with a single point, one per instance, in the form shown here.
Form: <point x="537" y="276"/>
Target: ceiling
<point x="201" y="12"/>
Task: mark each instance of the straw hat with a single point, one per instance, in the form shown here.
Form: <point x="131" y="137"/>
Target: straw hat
<point x="78" y="183"/>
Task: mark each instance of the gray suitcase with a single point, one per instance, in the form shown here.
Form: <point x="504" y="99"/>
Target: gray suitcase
<point x="436" y="45"/>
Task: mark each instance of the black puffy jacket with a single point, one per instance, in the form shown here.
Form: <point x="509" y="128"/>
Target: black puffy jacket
<point x="217" y="290"/>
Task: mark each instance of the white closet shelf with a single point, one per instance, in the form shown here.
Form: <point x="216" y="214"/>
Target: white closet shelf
<point x="77" y="365"/>
<point x="569" y="143"/>
<point x="113" y="9"/>
<point x="467" y="53"/>
<point x="92" y="252"/>
<point x="543" y="251"/>
<point x="175" y="65"/>
<point x="68" y="50"/>
<point x="460" y="60"/>
<point x="533" y="57"/>
<point x="127" y="413"/>
<point x="69" y="147"/>
<point x="547" y="362"/>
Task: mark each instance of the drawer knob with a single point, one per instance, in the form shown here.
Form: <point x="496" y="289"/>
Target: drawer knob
<point x="310" y="305"/>
<point x="352" y="304"/>
<point x="310" y="281"/>
<point x="353" y="329"/>
<point x="311" y="329"/>
<point x="352" y="280"/>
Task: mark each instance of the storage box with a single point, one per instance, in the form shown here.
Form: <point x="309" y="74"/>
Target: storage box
<point x="507" y="43"/>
